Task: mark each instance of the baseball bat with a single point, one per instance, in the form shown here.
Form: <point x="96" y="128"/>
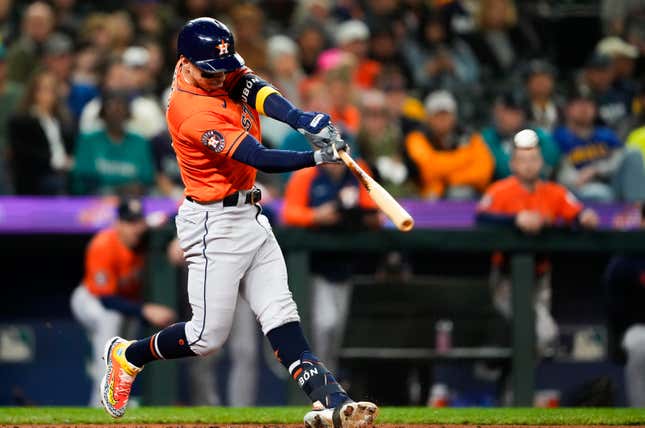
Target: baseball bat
<point x="392" y="209"/>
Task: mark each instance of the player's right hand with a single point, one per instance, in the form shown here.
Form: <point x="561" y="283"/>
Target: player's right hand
<point x="158" y="315"/>
<point x="530" y="222"/>
<point x="329" y="153"/>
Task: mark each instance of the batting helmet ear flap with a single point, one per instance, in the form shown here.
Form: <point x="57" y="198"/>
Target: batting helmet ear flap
<point x="209" y="44"/>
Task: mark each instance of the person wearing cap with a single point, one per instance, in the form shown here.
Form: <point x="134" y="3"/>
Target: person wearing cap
<point x="636" y="125"/>
<point x="353" y="37"/>
<point x="526" y="201"/>
<point x="598" y="79"/>
<point x="449" y="164"/>
<point x="595" y="164"/>
<point x="109" y="298"/>
<point x="113" y="159"/>
<point x="544" y="109"/>
<point x="509" y="117"/>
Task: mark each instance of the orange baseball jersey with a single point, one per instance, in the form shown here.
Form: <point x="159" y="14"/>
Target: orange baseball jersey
<point x="299" y="203"/>
<point x="509" y="196"/>
<point x="206" y="129"/>
<point x="111" y="268"/>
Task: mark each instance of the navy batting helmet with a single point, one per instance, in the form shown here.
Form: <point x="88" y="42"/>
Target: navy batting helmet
<point x="209" y="45"/>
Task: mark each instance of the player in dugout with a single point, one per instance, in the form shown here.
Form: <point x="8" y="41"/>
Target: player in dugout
<point x="108" y="301"/>
<point x="531" y="204"/>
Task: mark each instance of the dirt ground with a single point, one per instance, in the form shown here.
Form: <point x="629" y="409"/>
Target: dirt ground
<point x="298" y="426"/>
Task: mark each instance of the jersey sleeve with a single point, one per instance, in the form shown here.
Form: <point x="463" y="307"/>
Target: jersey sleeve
<point x="213" y="134"/>
<point x="100" y="273"/>
<point x="569" y="205"/>
<point x="296" y="210"/>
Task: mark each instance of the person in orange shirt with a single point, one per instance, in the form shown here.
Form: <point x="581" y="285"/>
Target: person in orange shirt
<point x="353" y="36"/>
<point x="109" y="296"/>
<point x="531" y="204"/>
<point x="228" y="244"/>
<point x="449" y="165"/>
<point x="329" y="198"/>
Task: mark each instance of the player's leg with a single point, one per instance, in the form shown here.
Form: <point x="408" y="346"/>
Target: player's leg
<point x="100" y="325"/>
<point x="634" y="345"/>
<point x="215" y="267"/>
<point x="328" y="319"/>
<point x="245" y="354"/>
<point x="266" y="289"/>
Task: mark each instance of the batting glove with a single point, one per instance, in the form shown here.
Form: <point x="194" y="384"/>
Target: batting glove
<point x="329" y="154"/>
<point x="310" y="123"/>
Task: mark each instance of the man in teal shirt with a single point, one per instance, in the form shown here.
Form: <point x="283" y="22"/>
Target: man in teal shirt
<point x="113" y="160"/>
<point x="509" y="118"/>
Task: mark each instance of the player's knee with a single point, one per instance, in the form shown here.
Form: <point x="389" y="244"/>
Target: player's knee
<point x="280" y="311"/>
<point x="204" y="340"/>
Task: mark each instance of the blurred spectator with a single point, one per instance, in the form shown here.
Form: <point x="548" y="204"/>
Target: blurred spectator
<point x="544" y="109"/>
<point x="329" y="198"/>
<point x="10" y="95"/>
<point x="146" y="118"/>
<point x="337" y="69"/>
<point x="7" y="22"/>
<point x="450" y="164"/>
<point x="121" y="28"/>
<point x="500" y="43"/>
<point x="624" y="282"/>
<point x="314" y="13"/>
<point x="312" y="40"/>
<point x="597" y="79"/>
<point x="595" y="164"/>
<point x="58" y="57"/>
<point x="287" y="75"/>
<point x="84" y="81"/>
<point x="110" y="296"/>
<point x="508" y="119"/>
<point x="41" y="137"/>
<point x="167" y="176"/>
<point x="24" y="55"/>
<point x="352" y="37"/>
<point x="380" y="143"/>
<point x="152" y="18"/>
<point x="113" y="159"/>
<point x="405" y="110"/>
<point x="68" y="17"/>
<point x="387" y="48"/>
<point x="525" y="201"/>
<point x="248" y="24"/>
<point x="444" y="61"/>
<point x="190" y="9"/>
<point x="636" y="126"/>
<point x="97" y="32"/>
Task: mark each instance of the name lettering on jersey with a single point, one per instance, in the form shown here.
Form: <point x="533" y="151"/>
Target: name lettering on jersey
<point x="248" y="85"/>
<point x="245" y="118"/>
<point x="223" y="47"/>
<point x="213" y="140"/>
<point x="306" y="375"/>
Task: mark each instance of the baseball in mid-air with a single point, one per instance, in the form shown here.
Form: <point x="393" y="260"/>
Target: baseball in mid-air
<point x="525" y="139"/>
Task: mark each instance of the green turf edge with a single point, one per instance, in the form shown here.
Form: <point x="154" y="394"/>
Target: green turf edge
<point x="285" y="415"/>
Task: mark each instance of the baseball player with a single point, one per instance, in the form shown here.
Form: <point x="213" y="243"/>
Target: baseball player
<point x="109" y="296"/>
<point x="229" y="246"/>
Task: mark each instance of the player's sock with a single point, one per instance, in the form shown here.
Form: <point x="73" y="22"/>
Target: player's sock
<point x="292" y="350"/>
<point x="168" y="344"/>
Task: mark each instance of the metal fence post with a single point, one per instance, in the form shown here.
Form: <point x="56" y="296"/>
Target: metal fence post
<point x="523" y="330"/>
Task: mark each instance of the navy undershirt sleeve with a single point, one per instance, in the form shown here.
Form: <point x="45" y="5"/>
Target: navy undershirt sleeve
<point x="254" y="154"/>
<point x="122" y="305"/>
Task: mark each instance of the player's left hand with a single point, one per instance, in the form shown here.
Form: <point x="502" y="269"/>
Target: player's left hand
<point x="329" y="153"/>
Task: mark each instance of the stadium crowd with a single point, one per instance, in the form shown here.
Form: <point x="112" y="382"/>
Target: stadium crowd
<point x="428" y="93"/>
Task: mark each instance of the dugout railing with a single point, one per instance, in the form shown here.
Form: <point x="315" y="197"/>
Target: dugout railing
<point x="298" y="243"/>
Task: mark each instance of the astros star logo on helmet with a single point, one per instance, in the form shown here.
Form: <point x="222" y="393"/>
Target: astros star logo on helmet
<point x="223" y="47"/>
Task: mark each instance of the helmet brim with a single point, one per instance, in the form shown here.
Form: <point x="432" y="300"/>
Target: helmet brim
<point x="228" y="63"/>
